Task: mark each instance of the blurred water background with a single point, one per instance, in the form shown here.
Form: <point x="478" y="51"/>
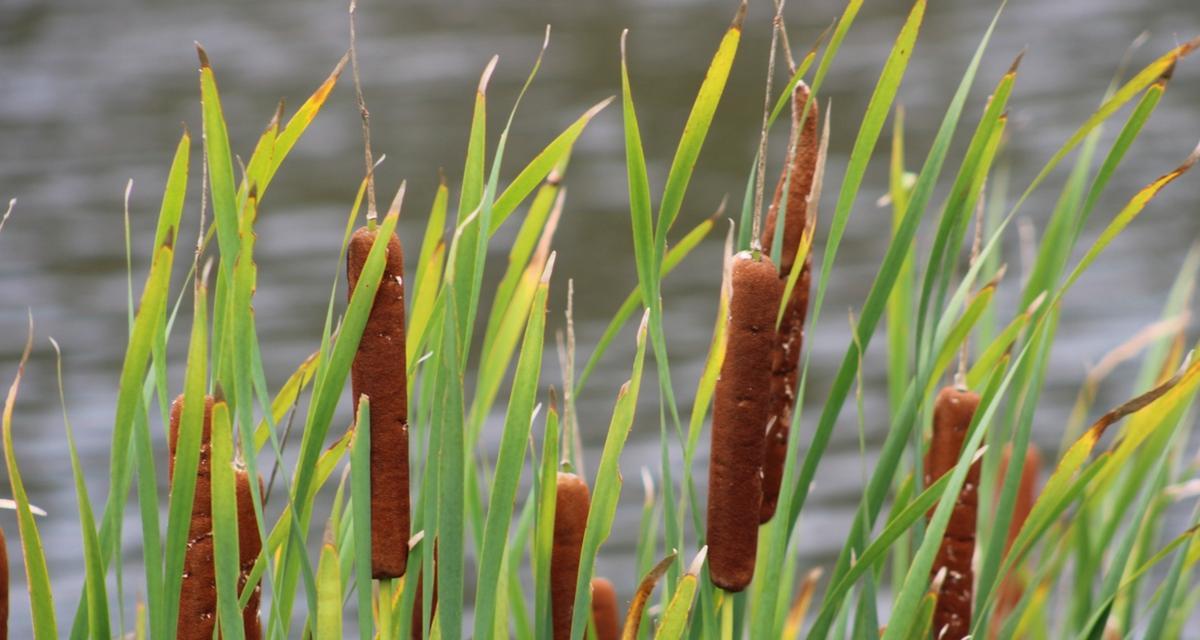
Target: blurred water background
<point x="94" y="94"/>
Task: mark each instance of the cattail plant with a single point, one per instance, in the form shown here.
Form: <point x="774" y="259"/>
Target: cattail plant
<point x="739" y="414"/>
<point x="379" y="372"/>
<point x="198" y="591"/>
<point x="952" y="413"/>
<point x="1012" y="587"/>
<point x="605" y="613"/>
<point x="570" y="520"/>
<point x="249" y="547"/>
<point x="799" y="181"/>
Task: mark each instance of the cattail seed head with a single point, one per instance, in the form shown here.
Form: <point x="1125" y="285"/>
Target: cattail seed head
<point x="799" y="179"/>
<point x="1012" y="588"/>
<point x="378" y="371"/>
<point x="604" y="609"/>
<point x="739" y="417"/>
<point x="570" y="521"/>
<point x="953" y="411"/>
<point x="198" y="591"/>
<point x="249" y="547"/>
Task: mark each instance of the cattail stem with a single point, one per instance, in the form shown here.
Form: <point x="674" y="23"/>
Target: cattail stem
<point x="605" y="613"/>
<point x="739" y="415"/>
<point x="198" y="591"/>
<point x="570" y="520"/>
<point x="797" y="180"/>
<point x="952" y="413"/>
<point x="379" y="372"/>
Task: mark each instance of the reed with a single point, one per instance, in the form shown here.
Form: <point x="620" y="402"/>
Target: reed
<point x="572" y="502"/>
<point x="798" y="181"/>
<point x="1112" y="555"/>
<point x="379" y="373"/>
<point x="953" y="411"/>
<point x="605" y="610"/>
<point x="739" y="414"/>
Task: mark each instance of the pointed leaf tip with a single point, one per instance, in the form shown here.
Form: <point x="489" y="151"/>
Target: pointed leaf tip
<point x="549" y="268"/>
<point x="204" y="64"/>
<point x="337" y="70"/>
<point x="739" y="17"/>
<point x="1016" y="63"/>
<point x="487" y="74"/>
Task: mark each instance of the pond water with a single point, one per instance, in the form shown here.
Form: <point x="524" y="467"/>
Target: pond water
<point x="93" y="94"/>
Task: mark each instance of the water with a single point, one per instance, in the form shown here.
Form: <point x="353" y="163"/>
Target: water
<point x="94" y="94"/>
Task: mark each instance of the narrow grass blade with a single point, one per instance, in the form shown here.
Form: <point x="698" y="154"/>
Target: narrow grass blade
<point x="675" y="618"/>
<point x="187" y="455"/>
<point x="695" y="131"/>
<point x="607" y="486"/>
<point x="543" y="541"/>
<point x="511" y="459"/>
<point x="360" y="502"/>
<point x="329" y="594"/>
<point x="633" y="619"/>
<point x="41" y="595"/>
<point x="95" y="593"/>
<point x="542" y="165"/>
<point x="225" y="523"/>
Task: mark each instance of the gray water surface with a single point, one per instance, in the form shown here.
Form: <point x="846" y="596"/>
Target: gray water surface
<point x="94" y="94"/>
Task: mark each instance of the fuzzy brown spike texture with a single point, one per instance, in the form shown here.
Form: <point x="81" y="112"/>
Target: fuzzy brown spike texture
<point x="953" y="411"/>
<point x="1013" y="586"/>
<point x="198" y="591"/>
<point x="740" y="412"/>
<point x="249" y="547"/>
<point x="379" y="373"/>
<point x="571" y="506"/>
<point x="798" y="176"/>
<point x="605" y="611"/>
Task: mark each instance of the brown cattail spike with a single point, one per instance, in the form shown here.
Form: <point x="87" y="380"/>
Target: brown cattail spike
<point x="952" y="413"/>
<point x="198" y="592"/>
<point x="249" y="547"/>
<point x="417" y="630"/>
<point x="798" y="175"/>
<point x="570" y="520"/>
<point x="604" y="610"/>
<point x="3" y="587"/>
<point x="739" y="415"/>
<point x="379" y="373"/>
<point x="1013" y="587"/>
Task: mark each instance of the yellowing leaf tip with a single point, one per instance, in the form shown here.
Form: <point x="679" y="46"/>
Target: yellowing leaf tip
<point x="549" y="268"/>
<point x="487" y="74"/>
<point x="739" y="17"/>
